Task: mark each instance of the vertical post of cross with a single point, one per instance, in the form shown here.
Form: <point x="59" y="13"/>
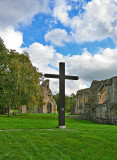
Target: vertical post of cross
<point x="62" y="95"/>
<point x="61" y="78"/>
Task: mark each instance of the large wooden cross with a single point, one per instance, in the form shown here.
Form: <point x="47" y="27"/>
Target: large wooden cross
<point x="61" y="78"/>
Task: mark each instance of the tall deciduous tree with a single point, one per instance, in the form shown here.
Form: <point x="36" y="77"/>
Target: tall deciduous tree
<point x="19" y="81"/>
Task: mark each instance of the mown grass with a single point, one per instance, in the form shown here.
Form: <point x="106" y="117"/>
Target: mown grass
<point x="90" y="141"/>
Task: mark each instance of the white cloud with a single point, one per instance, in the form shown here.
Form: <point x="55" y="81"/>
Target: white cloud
<point x="72" y="86"/>
<point x="17" y="11"/>
<point x="12" y="39"/>
<point x="60" y="11"/>
<point x="14" y="12"/>
<point x="97" y="22"/>
<point x="57" y="37"/>
<point x="41" y="56"/>
<point x="88" y="67"/>
<point x="94" y="67"/>
<point x="46" y="59"/>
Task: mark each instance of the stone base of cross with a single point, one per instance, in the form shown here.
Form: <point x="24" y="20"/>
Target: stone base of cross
<point x="61" y="78"/>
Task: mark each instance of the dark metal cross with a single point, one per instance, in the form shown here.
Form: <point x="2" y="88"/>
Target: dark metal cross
<point x="61" y="78"/>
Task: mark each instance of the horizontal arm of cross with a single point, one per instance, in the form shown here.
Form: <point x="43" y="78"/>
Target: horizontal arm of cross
<point x="71" y="77"/>
<point x="58" y="76"/>
<point x="51" y="75"/>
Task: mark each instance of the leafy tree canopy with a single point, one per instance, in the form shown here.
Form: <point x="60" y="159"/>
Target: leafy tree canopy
<point x="19" y="80"/>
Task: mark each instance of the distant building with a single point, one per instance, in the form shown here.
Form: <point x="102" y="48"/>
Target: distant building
<point x="99" y="102"/>
<point x="50" y="105"/>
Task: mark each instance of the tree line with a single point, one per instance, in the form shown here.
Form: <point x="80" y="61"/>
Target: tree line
<point x="19" y="81"/>
<point x="70" y="101"/>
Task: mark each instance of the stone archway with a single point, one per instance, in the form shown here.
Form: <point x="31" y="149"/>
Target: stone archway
<point x="49" y="108"/>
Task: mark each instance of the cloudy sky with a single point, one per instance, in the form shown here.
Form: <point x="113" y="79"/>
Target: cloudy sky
<point x="81" y="33"/>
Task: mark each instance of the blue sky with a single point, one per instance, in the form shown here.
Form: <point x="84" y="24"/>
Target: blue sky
<point x="81" y="33"/>
<point x="32" y="34"/>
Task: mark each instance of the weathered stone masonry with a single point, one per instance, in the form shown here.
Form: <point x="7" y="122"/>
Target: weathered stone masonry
<point x="99" y="102"/>
<point x="50" y="105"/>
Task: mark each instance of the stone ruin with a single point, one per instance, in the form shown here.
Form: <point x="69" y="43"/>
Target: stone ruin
<point x="23" y="109"/>
<point x="99" y="102"/>
<point x="50" y="105"/>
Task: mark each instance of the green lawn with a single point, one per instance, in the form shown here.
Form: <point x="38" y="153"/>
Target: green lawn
<point x="90" y="141"/>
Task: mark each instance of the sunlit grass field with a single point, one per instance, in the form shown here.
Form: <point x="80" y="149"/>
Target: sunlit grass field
<point x="85" y="141"/>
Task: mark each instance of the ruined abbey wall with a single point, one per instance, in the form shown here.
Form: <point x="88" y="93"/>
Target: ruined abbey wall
<point x="99" y="102"/>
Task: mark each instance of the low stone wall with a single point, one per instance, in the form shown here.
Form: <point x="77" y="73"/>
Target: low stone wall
<point x="78" y="117"/>
<point x="101" y="121"/>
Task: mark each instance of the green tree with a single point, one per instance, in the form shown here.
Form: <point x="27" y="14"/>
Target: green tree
<point x="19" y="82"/>
<point x="70" y="101"/>
<point x="3" y="74"/>
<point x="56" y="97"/>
